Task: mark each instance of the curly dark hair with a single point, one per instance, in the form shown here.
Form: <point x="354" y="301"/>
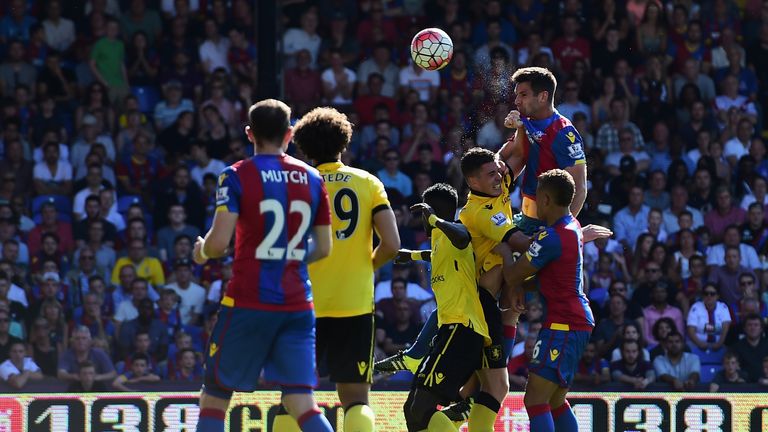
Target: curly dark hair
<point x="560" y="184"/>
<point x="323" y="134"/>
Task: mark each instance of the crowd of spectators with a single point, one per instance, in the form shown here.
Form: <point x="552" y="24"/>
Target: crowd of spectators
<point x="116" y="117"/>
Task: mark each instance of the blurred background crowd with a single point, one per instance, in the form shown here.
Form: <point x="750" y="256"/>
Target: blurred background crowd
<point x="116" y="117"/>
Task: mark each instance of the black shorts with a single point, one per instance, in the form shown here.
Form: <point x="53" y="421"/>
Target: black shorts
<point x="456" y="354"/>
<point x="345" y="348"/>
<point x="495" y="357"/>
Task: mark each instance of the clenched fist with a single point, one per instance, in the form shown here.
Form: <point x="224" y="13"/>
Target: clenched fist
<point x="512" y="121"/>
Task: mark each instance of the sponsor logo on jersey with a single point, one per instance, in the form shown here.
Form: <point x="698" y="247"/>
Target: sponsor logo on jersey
<point x="499" y="219"/>
<point x="534" y="249"/>
<point x="542" y="235"/>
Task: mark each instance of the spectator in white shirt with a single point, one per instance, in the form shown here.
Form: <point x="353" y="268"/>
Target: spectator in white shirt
<point x="759" y="193"/>
<point x="708" y="322"/>
<point x="732" y="99"/>
<point x="732" y="238"/>
<point x="19" y="368"/>
<point x="738" y="146"/>
<point x="305" y="37"/>
<point x="423" y="81"/>
<point x="213" y="51"/>
<point x="627" y="148"/>
<point x="52" y="176"/>
<point x="191" y="295"/>
<point x="59" y="31"/>
<point x="204" y="164"/>
<point x="571" y="103"/>
<point x="338" y="81"/>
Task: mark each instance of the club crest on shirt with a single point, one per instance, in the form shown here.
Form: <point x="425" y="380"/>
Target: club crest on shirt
<point x="534" y="249"/>
<point x="499" y="219"/>
<point x="537" y="135"/>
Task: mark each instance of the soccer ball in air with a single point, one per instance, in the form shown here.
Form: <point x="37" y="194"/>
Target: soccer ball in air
<point x="431" y="49"/>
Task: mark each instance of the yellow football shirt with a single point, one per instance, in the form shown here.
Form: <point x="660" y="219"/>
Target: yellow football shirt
<point x="455" y="285"/>
<point x="489" y="221"/>
<point x="342" y="283"/>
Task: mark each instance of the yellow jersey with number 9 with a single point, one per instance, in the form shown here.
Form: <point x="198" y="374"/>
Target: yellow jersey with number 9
<point x="489" y="221"/>
<point x="455" y="286"/>
<point x="342" y="283"/>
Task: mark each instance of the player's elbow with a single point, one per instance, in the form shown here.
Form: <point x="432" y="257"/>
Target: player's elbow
<point x="389" y="246"/>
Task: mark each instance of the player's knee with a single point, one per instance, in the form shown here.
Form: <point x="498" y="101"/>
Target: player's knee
<point x="498" y="387"/>
<point x="213" y="389"/>
<point x="419" y="408"/>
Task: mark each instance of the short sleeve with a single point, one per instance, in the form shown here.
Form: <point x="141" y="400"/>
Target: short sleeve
<point x="323" y="215"/>
<point x="494" y="225"/>
<point x="228" y="191"/>
<point x="568" y="148"/>
<point x="379" y="198"/>
<point x="7" y="369"/>
<point x="660" y="367"/>
<point x="545" y="249"/>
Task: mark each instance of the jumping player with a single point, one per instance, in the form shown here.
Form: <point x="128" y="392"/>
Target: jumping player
<point x="556" y="257"/>
<point x="457" y="351"/>
<point x="266" y="321"/>
<point x="544" y="140"/>
<point x="344" y="304"/>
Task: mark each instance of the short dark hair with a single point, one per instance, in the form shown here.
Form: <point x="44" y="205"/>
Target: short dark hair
<point x="322" y="134"/>
<point x="560" y="185"/>
<point x="541" y="79"/>
<point x="753" y="316"/>
<point x="140" y="356"/>
<point x="475" y="158"/>
<point x="630" y="342"/>
<point x="269" y="120"/>
<point x="442" y="197"/>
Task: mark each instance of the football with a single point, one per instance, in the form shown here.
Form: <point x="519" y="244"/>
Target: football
<point x="431" y="49"/>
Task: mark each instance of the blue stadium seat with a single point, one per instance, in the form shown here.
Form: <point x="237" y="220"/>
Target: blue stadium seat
<point x="707" y="356"/>
<point x="148" y="96"/>
<point x="62" y="217"/>
<point x="124" y="202"/>
<point x="62" y="203"/>
<point x="708" y="372"/>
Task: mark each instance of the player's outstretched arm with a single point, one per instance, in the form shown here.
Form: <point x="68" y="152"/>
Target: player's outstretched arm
<point x="405" y="256"/>
<point x="593" y="232"/>
<point x="389" y="238"/>
<point x="321" y="235"/>
<point x="457" y="233"/>
<point x="216" y="242"/>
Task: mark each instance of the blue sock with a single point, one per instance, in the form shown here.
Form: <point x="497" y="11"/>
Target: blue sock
<point x="211" y="420"/>
<point x="541" y="418"/>
<point x="510" y="332"/>
<point x="314" y="421"/>
<point x="565" y="420"/>
<point x="420" y="348"/>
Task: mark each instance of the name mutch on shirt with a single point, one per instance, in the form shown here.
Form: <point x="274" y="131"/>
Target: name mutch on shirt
<point x="284" y="176"/>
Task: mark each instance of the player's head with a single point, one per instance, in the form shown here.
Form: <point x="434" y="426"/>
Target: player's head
<point x="534" y="90"/>
<point x="269" y="124"/>
<point x="554" y="193"/>
<point x="481" y="172"/>
<point x="323" y="134"/>
<point x="443" y="198"/>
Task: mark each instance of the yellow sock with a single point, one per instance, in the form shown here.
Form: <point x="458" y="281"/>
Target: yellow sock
<point x="285" y="423"/>
<point x="359" y="418"/>
<point x="441" y="423"/>
<point x="481" y="418"/>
